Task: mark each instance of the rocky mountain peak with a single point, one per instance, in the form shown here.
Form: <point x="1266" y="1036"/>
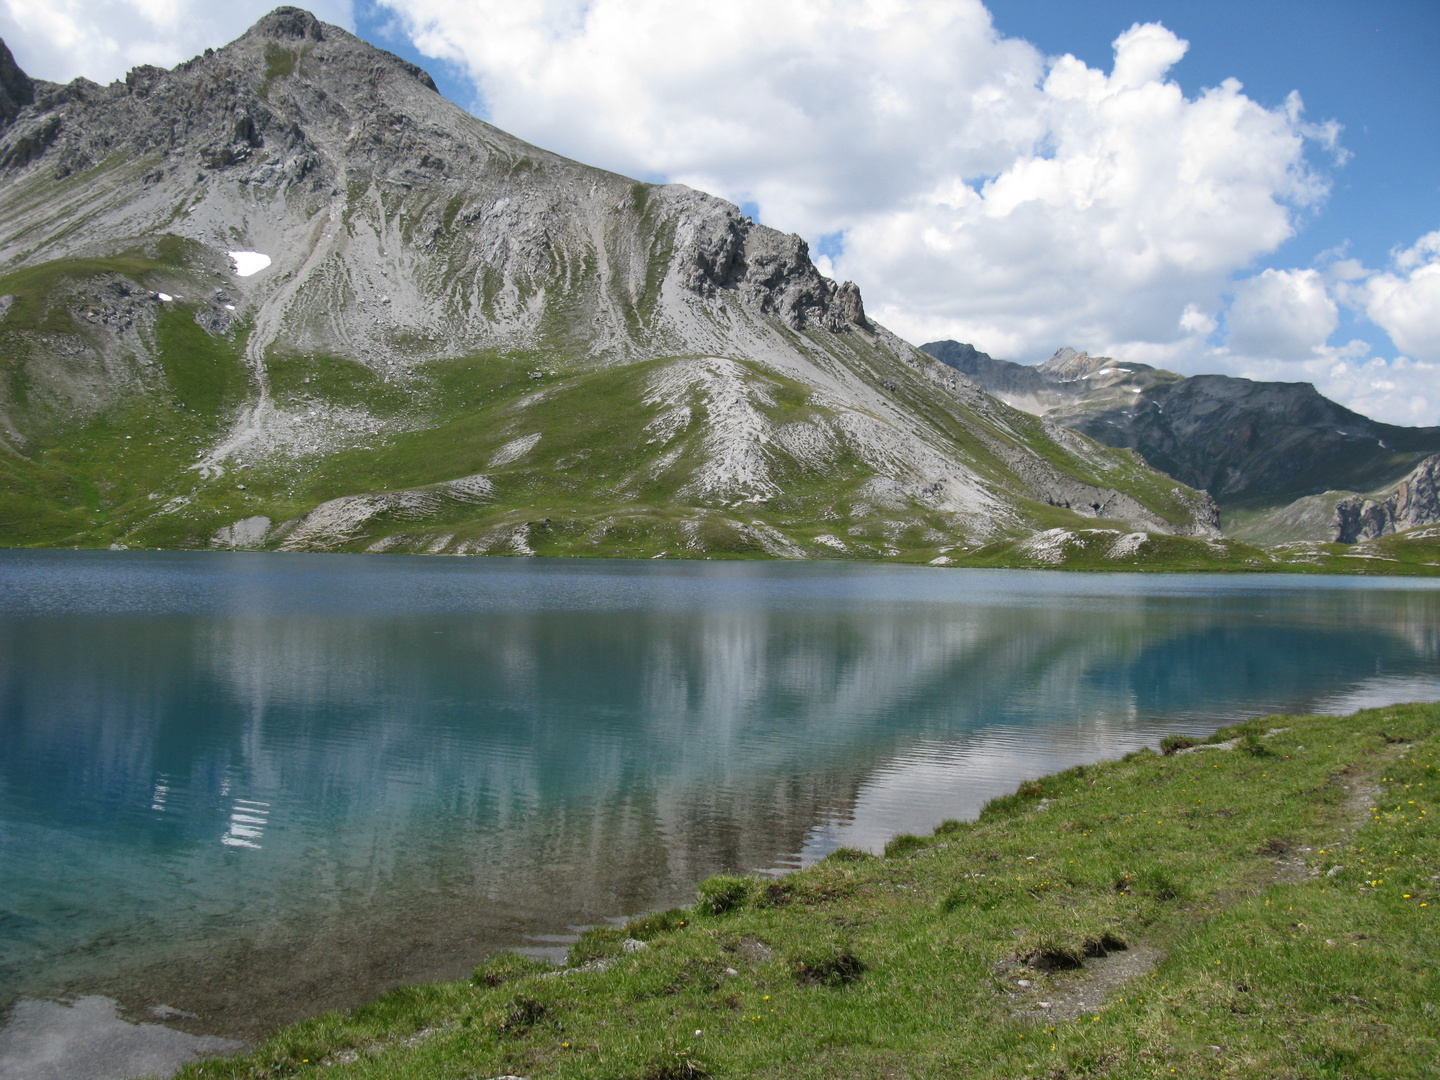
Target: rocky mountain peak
<point x="1253" y="445"/>
<point x="288" y="23"/>
<point x="1067" y="364"/>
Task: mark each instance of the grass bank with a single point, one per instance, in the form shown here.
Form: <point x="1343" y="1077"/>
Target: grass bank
<point x="1263" y="904"/>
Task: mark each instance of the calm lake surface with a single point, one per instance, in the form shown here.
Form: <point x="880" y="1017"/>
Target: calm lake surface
<point x="251" y="786"/>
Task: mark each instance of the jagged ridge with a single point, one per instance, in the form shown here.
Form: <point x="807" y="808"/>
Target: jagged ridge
<point x="1250" y="444"/>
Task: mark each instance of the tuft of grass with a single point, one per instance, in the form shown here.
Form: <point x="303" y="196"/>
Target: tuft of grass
<point x="646" y="927"/>
<point x="974" y="895"/>
<point x="521" y="1014"/>
<point x="1253" y="745"/>
<point x="903" y="845"/>
<point x="506" y="967"/>
<point x="1170" y="744"/>
<point x="723" y="893"/>
<point x="677" y="1066"/>
<point x="597" y="943"/>
<point x="849" y="855"/>
<point x="1046" y="951"/>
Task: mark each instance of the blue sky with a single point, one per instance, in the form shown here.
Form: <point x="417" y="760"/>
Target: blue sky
<point x="973" y="180"/>
<point x="1373" y="66"/>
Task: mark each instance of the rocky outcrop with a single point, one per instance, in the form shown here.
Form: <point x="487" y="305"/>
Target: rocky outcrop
<point x="1414" y="502"/>
<point x="719" y="248"/>
<point x="333" y="523"/>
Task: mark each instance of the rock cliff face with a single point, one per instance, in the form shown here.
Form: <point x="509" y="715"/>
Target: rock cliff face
<point x="1250" y="444"/>
<point x="1414" y="502"/>
<point x="285" y="294"/>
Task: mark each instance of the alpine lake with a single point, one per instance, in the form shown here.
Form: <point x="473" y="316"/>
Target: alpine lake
<point x="250" y="787"/>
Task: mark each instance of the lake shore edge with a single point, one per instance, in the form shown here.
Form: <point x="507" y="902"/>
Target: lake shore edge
<point x="1259" y="903"/>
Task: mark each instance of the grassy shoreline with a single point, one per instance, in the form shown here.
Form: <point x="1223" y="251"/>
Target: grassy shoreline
<point x="1263" y="904"/>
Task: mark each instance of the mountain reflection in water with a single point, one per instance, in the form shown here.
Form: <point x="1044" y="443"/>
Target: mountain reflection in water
<point x="253" y="787"/>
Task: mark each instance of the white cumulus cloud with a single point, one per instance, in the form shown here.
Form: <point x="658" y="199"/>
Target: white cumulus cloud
<point x="1405" y="302"/>
<point x="1282" y="314"/>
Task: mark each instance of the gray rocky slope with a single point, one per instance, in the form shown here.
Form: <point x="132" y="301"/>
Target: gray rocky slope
<point x="455" y="328"/>
<point x="1252" y="445"/>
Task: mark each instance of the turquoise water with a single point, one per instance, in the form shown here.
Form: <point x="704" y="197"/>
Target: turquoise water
<point x="254" y="785"/>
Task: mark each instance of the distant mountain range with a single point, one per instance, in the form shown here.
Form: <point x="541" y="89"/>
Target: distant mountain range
<point x="285" y="295"/>
<point x="1278" y="457"/>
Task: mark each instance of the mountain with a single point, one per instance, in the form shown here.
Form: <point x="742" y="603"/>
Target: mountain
<point x="1257" y="447"/>
<point x="286" y="295"/>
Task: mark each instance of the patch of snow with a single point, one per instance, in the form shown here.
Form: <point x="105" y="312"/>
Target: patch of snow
<point x="165" y="296"/>
<point x="248" y="262"/>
